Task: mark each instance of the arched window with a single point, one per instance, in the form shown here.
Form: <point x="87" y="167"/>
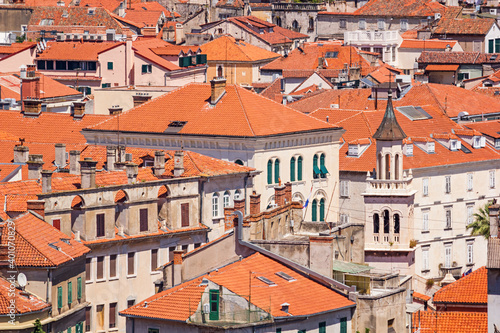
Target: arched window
<point x="240" y="162"/>
<point x="396" y="223"/>
<point x="237" y="195"/>
<point x="387" y="166"/>
<point x="215" y="205"/>
<point x="299" y="168"/>
<point x="295" y="25"/>
<point x="311" y="24"/>
<point x="396" y="167"/>
<point x="278" y="21"/>
<point x="376" y="223"/>
<point x="322" y="166"/>
<point x="314" y="210"/>
<point x="386" y="221"/>
<point x="322" y="209"/>
<point x="277" y="171"/>
<point x="292" y="169"/>
<point x="226" y="199"/>
<point x="316" y="170"/>
<point x="270" y="172"/>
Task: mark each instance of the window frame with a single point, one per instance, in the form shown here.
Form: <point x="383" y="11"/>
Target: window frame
<point x="344" y="188"/>
<point x="70" y="292"/>
<point x="115" y="266"/>
<point x="215" y="205"/>
<point x="448" y="217"/>
<point x="425" y="258"/>
<point x="103" y="277"/>
<point x="157" y="257"/>
<point x="114" y="313"/>
<point x="143" y="220"/>
<point x="98" y="226"/>
<point x="470" y="213"/>
<point x="469" y="256"/>
<point x="110" y="65"/>
<point x="134" y="264"/>
<point x="492" y="179"/>
<point x="470" y="182"/>
<point x="425" y="187"/>
<point x="226" y="199"/>
<point x="79" y="288"/>
<point x="425" y="220"/>
<point x="146" y="69"/>
<point x="447" y="180"/>
<point x="59" y="297"/>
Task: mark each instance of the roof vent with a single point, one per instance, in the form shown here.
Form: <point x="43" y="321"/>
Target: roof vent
<point x="285" y="307"/>
<point x="266" y="281"/>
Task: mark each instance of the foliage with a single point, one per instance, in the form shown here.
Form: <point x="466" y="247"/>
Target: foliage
<point x="20" y="39"/>
<point x="38" y="327"/>
<point x="413" y="243"/>
<point x="429" y="283"/>
<point x="481" y="224"/>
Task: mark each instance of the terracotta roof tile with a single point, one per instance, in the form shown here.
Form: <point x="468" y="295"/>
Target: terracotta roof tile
<point x="441" y="68"/>
<point x="421" y="296"/>
<point x="427" y="44"/>
<point x="397" y="8"/>
<point x="438" y="57"/>
<point x="451" y="23"/>
<point x="226" y="48"/>
<point x="489" y="128"/>
<point x="450" y="322"/>
<point x="25" y="302"/>
<point x="145" y="47"/>
<point x="76" y="50"/>
<point x="471" y="289"/>
<point x="49" y="88"/>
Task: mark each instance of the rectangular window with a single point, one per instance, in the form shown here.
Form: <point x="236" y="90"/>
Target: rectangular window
<point x="343" y="23"/>
<point x="143" y="216"/>
<point x="497" y="143"/>
<point x="79" y="288"/>
<point x="61" y="65"/>
<point x="470" y="214"/>
<point x="88" y="316"/>
<point x="153" y="330"/>
<point x="106" y="85"/>
<point x="344" y="188"/>
<point x="100" y="268"/>
<point x="425" y="220"/>
<point x="130" y="303"/>
<point x="110" y="65"/>
<point x="322" y="327"/>
<point x="448" y="217"/>
<point x="112" y="315"/>
<point x="146" y="69"/>
<point x="425" y="259"/>
<point x="491" y="48"/>
<point x="497" y="45"/>
<point x="492" y="178"/>
<point x="403" y="25"/>
<point x="59" y="297"/>
<point x="470" y="253"/>
<point x="41" y="64"/>
<point x="447" y="256"/>
<point x="70" y="292"/>
<point x="381" y="24"/>
<point x="447" y="188"/>
<point x="100" y="225"/>
<point x="469" y="181"/>
<point x="425" y="186"/>
<point x="131" y="263"/>
<point x="79" y="327"/>
<point x="362" y="24"/>
<point x="88" y="269"/>
<point x="343" y="325"/>
<point x="185" y="215"/>
<point x="112" y="265"/>
<point x="214" y="304"/>
<point x="50" y="65"/>
<point x="344" y="218"/>
<point x="100" y="317"/>
<point x="56" y="223"/>
<point x="154" y="259"/>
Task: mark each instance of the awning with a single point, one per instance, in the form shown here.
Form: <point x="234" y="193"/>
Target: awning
<point x="316" y="170"/>
<point x="441" y="68"/>
<point x="323" y="169"/>
<point x="349" y="267"/>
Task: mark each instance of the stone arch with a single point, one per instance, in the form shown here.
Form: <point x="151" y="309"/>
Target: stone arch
<point x="270" y="202"/>
<point x="297" y="196"/>
<point x="387" y="168"/>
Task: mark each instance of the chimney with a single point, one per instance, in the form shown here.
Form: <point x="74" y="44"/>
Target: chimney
<point x="46" y="181"/>
<point x="141" y="98"/>
<point x="321" y="254"/>
<point x="149" y="31"/>
<point x="60" y="155"/>
<point x="35" y="165"/>
<point x="228" y="218"/>
<point x="240" y="205"/>
<point x="21" y="154"/>
<point x="178" y="163"/>
<point x="177" y="267"/>
<point x="115" y="109"/>
<point x="30" y="85"/>
<point x="321" y="60"/>
<point x="279" y="195"/>
<point x="254" y="203"/>
<point x="159" y="166"/>
<point x="218" y="89"/>
<point x="110" y="158"/>
<point x="74" y="159"/>
<point x="79" y="109"/>
<point x="37" y="206"/>
<point x="494" y="225"/>
<point x="288" y="193"/>
<point x="32" y="107"/>
<point x="87" y="170"/>
<point x="132" y="171"/>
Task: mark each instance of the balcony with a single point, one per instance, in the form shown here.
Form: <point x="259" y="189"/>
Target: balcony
<point x="289" y="6"/>
<point x="380" y="187"/>
<point x="371" y="37"/>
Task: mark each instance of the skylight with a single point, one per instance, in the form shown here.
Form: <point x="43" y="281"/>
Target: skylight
<point x="413" y="112"/>
<point x="285" y="276"/>
<point x="334" y="54"/>
<point x="266" y="281"/>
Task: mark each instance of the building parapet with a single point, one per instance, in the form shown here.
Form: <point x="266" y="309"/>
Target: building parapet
<point x="371" y="36"/>
<point x="389" y="187"/>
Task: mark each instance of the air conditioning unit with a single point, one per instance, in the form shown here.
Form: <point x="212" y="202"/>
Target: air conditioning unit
<point x="100" y="37"/>
<point x="76" y="36"/>
<point x="86" y="37"/>
<point x="60" y="37"/>
<point x="93" y="37"/>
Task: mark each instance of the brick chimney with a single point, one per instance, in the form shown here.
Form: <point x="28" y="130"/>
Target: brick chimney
<point x="60" y="159"/>
<point x="115" y="109"/>
<point x="46" y="181"/>
<point x="279" y="195"/>
<point x="228" y="218"/>
<point x="288" y="192"/>
<point x="110" y="158"/>
<point x="177" y="267"/>
<point x="74" y="159"/>
<point x="240" y="205"/>
<point x="178" y="163"/>
<point x="35" y="165"/>
<point x="141" y="98"/>
<point x="159" y="166"/>
<point x="37" y="206"/>
<point x="79" y="109"/>
<point x="32" y="107"/>
<point x="149" y="31"/>
<point x="30" y="85"/>
<point x="254" y="203"/>
<point x="218" y="89"/>
<point x="21" y="154"/>
<point x="87" y="170"/>
<point x="494" y="220"/>
<point x="132" y="170"/>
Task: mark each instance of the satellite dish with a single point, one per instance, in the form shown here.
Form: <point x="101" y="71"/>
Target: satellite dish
<point x="21" y="279"/>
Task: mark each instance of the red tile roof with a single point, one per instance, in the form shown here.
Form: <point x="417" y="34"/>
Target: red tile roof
<point x="451" y="23"/>
<point x="471" y="289"/>
<point x="24" y="302"/>
<point x="153" y="6"/>
<point x="49" y="88"/>
<point x="441" y="68"/>
<point x="238" y="113"/>
<point x="421" y="296"/>
<point x="142" y="18"/>
<point x="397" y="8"/>
<point x="450" y="322"/>
<point x="305" y="296"/>
<point x="470" y="58"/>
<point x="33" y="237"/>
<point x="489" y="128"/>
<point x="145" y="47"/>
<point x="16" y="47"/>
<point x="427" y="44"/>
<point x="88" y="51"/>
<point x="226" y="48"/>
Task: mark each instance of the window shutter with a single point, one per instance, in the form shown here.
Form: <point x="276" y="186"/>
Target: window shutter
<point x="491" y="47"/>
<point x="56" y="223"/>
<point x="112" y="315"/>
<point x="269" y="172"/>
<point x="322" y="209"/>
<point x="100" y="267"/>
<point x="292" y="169"/>
<point x="343" y="325"/>
<point x="143" y="225"/>
<point x="144" y="69"/>
<point x="100" y="225"/>
<point x="70" y="292"/>
<point x="130" y="263"/>
<point x="79" y="288"/>
<point x="88" y="274"/>
<point x="154" y="259"/>
<point x="185" y="214"/>
<point x="110" y="65"/>
<point x="497" y="45"/>
<point x="314" y="210"/>
<point x="214" y="304"/>
<point x="277" y="171"/>
<point x="87" y="318"/>
<point x="112" y="265"/>
<point x="299" y="168"/>
<point x="59" y="297"/>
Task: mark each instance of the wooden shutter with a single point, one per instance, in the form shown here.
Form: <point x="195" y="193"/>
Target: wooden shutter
<point x="314" y="210"/>
<point x="59" y="297"/>
<point x="299" y="168"/>
<point x="269" y="172"/>
<point x="100" y="317"/>
<point x="70" y="292"/>
<point x="56" y="223"/>
<point x="277" y="171"/>
<point x="154" y="259"/>
<point x="87" y="318"/>
<point x="100" y="225"/>
<point x="322" y="209"/>
<point x="143" y="216"/>
<point x="292" y="169"/>
<point x="88" y="273"/>
<point x="214" y="304"/>
<point x="112" y="315"/>
<point x="100" y="267"/>
<point x="112" y="265"/>
<point x="185" y="215"/>
<point x="343" y="325"/>
<point x="79" y="288"/>
<point x="130" y="263"/>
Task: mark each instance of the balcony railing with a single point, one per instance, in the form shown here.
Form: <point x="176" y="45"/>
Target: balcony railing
<point x="389" y="187"/>
<point x="371" y="36"/>
<point x="296" y="6"/>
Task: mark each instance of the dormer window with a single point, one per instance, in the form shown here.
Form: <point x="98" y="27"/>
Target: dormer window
<point x="453" y="145"/>
<point x="430" y="147"/>
<point x="409" y="149"/>
<point x="271" y="29"/>
<point x="353" y="150"/>
<point x="497" y="143"/>
<point x="261" y="30"/>
<point x="479" y="142"/>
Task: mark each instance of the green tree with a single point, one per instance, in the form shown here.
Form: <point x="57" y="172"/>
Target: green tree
<point x="481" y="224"/>
<point x="38" y="327"/>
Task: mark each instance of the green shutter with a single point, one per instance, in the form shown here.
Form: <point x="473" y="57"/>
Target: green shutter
<point x="316" y="170"/>
<point x="322" y="209"/>
<point x="79" y="288"/>
<point x="491" y="47"/>
<point x="214" y="304"/>
<point x="110" y="65"/>
<point x="68" y="330"/>
<point x="314" y="210"/>
<point x="70" y="292"/>
<point x="201" y="59"/>
<point x="277" y="171"/>
<point x="79" y="327"/>
<point x="343" y="325"/>
<point x="278" y="330"/>
<point x="322" y="327"/>
<point x="322" y="167"/>
<point x="269" y="172"/>
<point x="292" y="169"/>
<point x="497" y="45"/>
<point x="144" y="69"/>
<point x="299" y="168"/>
<point x="59" y="297"/>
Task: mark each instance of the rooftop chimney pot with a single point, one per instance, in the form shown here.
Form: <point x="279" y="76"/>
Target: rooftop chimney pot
<point x="74" y="165"/>
<point x="178" y="163"/>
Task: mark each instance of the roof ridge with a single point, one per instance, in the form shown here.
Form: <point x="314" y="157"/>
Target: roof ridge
<point x="192" y="160"/>
<point x="244" y="110"/>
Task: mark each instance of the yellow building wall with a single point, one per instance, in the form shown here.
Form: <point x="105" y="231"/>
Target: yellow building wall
<point x="234" y="73"/>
